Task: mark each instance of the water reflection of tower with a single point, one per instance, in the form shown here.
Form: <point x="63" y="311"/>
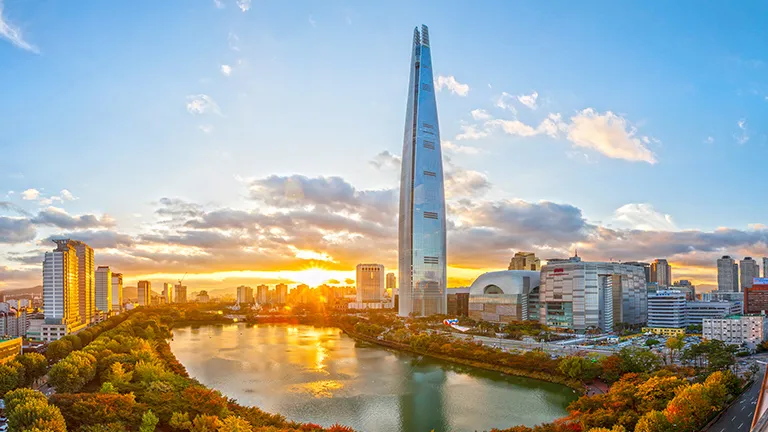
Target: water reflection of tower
<point x="422" y="404"/>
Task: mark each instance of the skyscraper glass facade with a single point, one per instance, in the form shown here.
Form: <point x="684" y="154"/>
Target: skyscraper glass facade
<point x="422" y="246"/>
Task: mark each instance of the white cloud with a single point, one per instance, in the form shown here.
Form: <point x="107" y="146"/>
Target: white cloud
<point x="529" y="100"/>
<point x="206" y="128"/>
<point x="312" y="21"/>
<point x="709" y="140"/>
<point x="513" y="127"/>
<point x="742" y="136"/>
<point x="609" y="134"/>
<point x="480" y="114"/>
<point x="67" y="195"/>
<point x="503" y="102"/>
<point x="459" y="149"/>
<point x="226" y="70"/>
<point x="643" y="217"/>
<point x="218" y="3"/>
<point x="233" y="41"/>
<point x="471" y="132"/>
<point x="201" y="104"/>
<point x="13" y="34"/>
<point x="244" y="5"/>
<point x="450" y="83"/>
<point x="30" y="194"/>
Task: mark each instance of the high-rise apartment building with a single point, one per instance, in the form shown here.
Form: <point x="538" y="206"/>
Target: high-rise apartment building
<point x="262" y="294"/>
<point x="645" y="266"/>
<point x="421" y="242"/>
<point x="103" y="290"/>
<point x="168" y="292"/>
<point x="391" y="282"/>
<point x="61" y="291"/>
<point x="582" y="295"/>
<point x="661" y="273"/>
<point x="686" y="287"/>
<point x="144" y="293"/>
<point x="244" y="295"/>
<point x="667" y="309"/>
<point x="180" y="293"/>
<point x="765" y="267"/>
<point x="727" y="274"/>
<point x="525" y="261"/>
<point x="86" y="280"/>
<point x="281" y="293"/>
<point x="748" y="270"/>
<point x="370" y="282"/>
<point x="117" y="292"/>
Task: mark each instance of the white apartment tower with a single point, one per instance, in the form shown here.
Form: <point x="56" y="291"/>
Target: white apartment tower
<point x="748" y="271"/>
<point x="103" y="290"/>
<point x="145" y="293"/>
<point x="180" y="293"/>
<point x="86" y="281"/>
<point x="244" y="295"/>
<point x="60" y="285"/>
<point x="117" y="292"/>
<point x="168" y="292"/>
<point x="262" y="294"/>
<point x="370" y="283"/>
<point x="661" y="273"/>
<point x="727" y="274"/>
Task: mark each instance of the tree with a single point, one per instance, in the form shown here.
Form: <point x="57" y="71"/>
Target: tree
<point x="206" y="423"/>
<point x="612" y="368"/>
<point x="108" y="388"/>
<point x="35" y="414"/>
<point x="180" y="421"/>
<point x="675" y="344"/>
<point x="59" y="349"/>
<point x="654" y="421"/>
<point x="650" y="343"/>
<point x="235" y="424"/>
<point x="35" y="366"/>
<point x="579" y="368"/>
<point x="148" y="422"/>
<point x="638" y="360"/>
<point x="11" y="376"/>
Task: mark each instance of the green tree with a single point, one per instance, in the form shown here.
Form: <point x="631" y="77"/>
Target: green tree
<point x="206" y="423"/>
<point x="108" y="388"/>
<point x="654" y="421"/>
<point x="11" y="376"/>
<point x="650" y="343"/>
<point x="59" y="349"/>
<point x="180" y="421"/>
<point x="35" y="366"/>
<point x="638" y="360"/>
<point x="579" y="368"/>
<point x="36" y="414"/>
<point x="235" y="424"/>
<point x="148" y="422"/>
<point x="675" y="344"/>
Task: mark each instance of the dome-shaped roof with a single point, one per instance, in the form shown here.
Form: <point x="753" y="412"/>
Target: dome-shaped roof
<point x="504" y="282"/>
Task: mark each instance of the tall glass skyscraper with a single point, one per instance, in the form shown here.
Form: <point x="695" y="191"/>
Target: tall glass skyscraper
<point x="422" y="252"/>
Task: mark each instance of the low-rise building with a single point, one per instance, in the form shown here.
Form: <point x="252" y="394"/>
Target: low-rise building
<point x="664" y="331"/>
<point x="9" y="349"/>
<point x="458" y="301"/>
<point x="756" y="297"/>
<point x="667" y="309"/>
<point x="502" y="296"/>
<point x="697" y="311"/>
<point x="737" y="329"/>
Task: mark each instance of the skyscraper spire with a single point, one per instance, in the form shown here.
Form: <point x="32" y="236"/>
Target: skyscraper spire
<point x="421" y="243"/>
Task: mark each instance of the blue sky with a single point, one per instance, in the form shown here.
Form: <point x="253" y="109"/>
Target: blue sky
<point x="156" y="116"/>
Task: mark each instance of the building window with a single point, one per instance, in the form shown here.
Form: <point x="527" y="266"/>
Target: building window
<point x="430" y="174"/>
<point x="429" y="144"/>
<point x="426" y="87"/>
<point x="430" y="215"/>
<point x="431" y="260"/>
<point x="427" y="126"/>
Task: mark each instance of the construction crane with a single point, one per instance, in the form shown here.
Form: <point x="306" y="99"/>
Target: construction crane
<point x="182" y="279"/>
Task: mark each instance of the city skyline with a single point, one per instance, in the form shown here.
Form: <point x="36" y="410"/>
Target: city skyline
<point x="225" y="198"/>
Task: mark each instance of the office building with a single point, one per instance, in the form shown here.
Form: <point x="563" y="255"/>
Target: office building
<point x="748" y="270"/>
<point x="525" y="261"/>
<point x="502" y="296"/>
<point x="117" y="292"/>
<point x="727" y="274"/>
<point x="756" y="297"/>
<point x="737" y="329"/>
<point x="698" y="311"/>
<point x="667" y="309"/>
<point x="103" y="289"/>
<point x="244" y="295"/>
<point x="685" y="287"/>
<point x="61" y="289"/>
<point x="421" y="240"/>
<point x="262" y="294"/>
<point x="583" y="295"/>
<point x="391" y="282"/>
<point x="281" y="294"/>
<point x="144" y="293"/>
<point x="86" y="280"/>
<point x="168" y="292"/>
<point x="458" y="301"/>
<point x="661" y="273"/>
<point x="180" y="293"/>
<point x="202" y="297"/>
<point x="370" y="283"/>
<point x="765" y="267"/>
<point x="646" y="269"/>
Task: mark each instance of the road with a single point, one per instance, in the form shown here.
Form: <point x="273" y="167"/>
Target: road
<point x="738" y="418"/>
<point x="551" y="348"/>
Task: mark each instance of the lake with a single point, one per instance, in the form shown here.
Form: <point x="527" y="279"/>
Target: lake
<point x="323" y="376"/>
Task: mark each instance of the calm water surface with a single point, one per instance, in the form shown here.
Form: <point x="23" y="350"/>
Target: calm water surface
<point x="321" y="375"/>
